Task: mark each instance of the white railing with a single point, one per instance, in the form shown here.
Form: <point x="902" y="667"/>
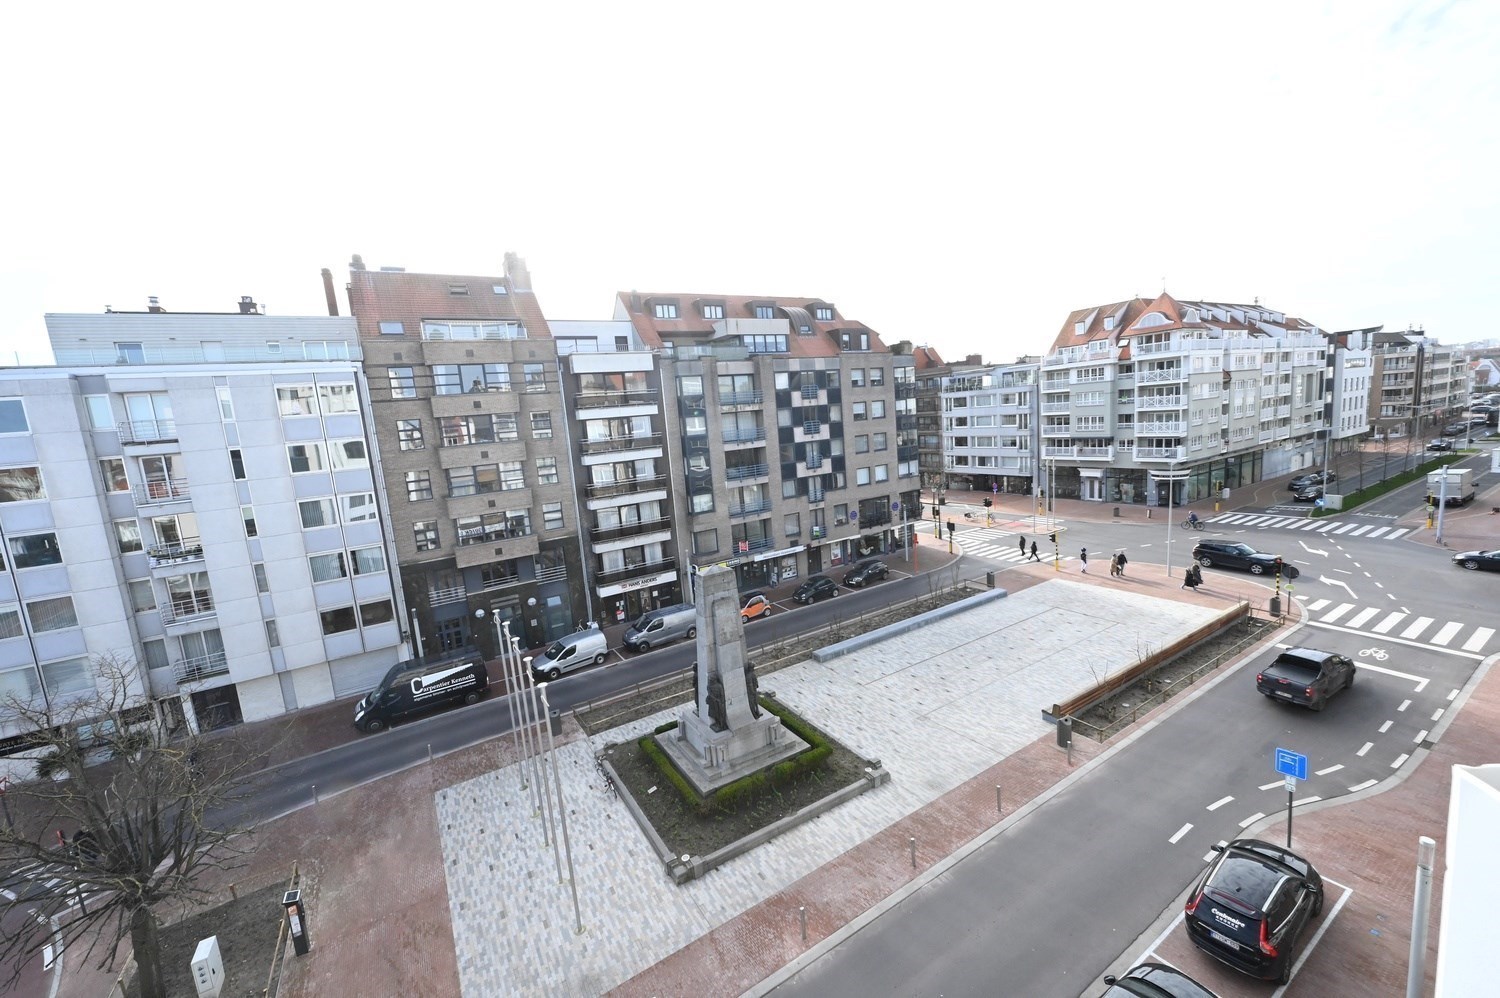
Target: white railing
<point x="1158" y="453"/>
<point x="1159" y="402"/>
<point x="1172" y="374"/>
<point x="1056" y="452"/>
<point x="1105" y="453"/>
<point x="1171" y="428"/>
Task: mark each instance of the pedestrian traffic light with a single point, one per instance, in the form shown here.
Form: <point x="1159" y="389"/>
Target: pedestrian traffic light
<point x="987" y="502"/>
<point x="1052" y="538"/>
<point x="950" y="528"/>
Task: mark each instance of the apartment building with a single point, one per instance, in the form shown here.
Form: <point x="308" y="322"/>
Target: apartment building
<point x="931" y="369"/>
<point x="991" y="427"/>
<point x="1205" y="396"/>
<point x="469" y="414"/>
<point x="1416" y="382"/>
<point x="792" y="441"/>
<point x="1350" y="370"/>
<point x="192" y="494"/>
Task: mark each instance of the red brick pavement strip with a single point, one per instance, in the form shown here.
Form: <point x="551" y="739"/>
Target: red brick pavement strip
<point x="742" y="952"/>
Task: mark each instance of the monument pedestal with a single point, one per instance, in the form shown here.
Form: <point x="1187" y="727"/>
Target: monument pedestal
<point x="712" y="759"/>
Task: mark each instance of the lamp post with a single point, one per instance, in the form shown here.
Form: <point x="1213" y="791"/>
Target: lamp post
<point x="1172" y="472"/>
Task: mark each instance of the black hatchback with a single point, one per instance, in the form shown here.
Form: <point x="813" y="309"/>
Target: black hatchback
<point x="1232" y="554"/>
<point x="1253" y="906"/>
<point x="816" y="588"/>
<point x="866" y="572"/>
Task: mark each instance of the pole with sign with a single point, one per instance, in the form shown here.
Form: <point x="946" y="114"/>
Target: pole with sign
<point x="1293" y="766"/>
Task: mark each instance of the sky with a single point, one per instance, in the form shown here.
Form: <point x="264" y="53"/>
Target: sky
<point x="958" y="175"/>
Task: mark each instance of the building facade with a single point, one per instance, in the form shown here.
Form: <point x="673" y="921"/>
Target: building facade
<point x="991" y="427"/>
<point x="1350" y="371"/>
<point x="1416" y="382"/>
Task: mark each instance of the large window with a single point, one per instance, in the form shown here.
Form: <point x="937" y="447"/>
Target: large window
<point x="479" y="479"/>
<point x="338" y="620"/>
<point x="112" y="470"/>
<point x="418" y="485"/>
<point x="552" y="516"/>
<point x="541" y="425"/>
<point x="128" y="536"/>
<point x="425" y="534"/>
<point x="536" y="377"/>
<point x="21" y="484"/>
<point x="409" y="434"/>
<point x="376" y="612"/>
<point x="35" y="550"/>
<point x="296" y="400"/>
<point x="403" y="382"/>
<point x="336" y="399"/>
<point x="317" y="513"/>
<point x="52" y="614"/>
<point x="348" y="454"/>
<point x="71" y="675"/>
<point x="456" y="379"/>
<point x="13" y="417"/>
<point x="327" y="567"/>
<point x="359" y="507"/>
<point x="367" y="561"/>
<point x="306" y="457"/>
<point x="511" y="476"/>
<point x="546" y="471"/>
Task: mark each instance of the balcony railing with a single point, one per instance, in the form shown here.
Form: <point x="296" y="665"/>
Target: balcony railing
<point x="1165" y="374"/>
<point x="875" y="518"/>
<point x="818" y="532"/>
<point x="633" y="571"/>
<point x="1058" y="451"/>
<point x="810" y="392"/>
<point x="744" y="435"/>
<point x="598" y="398"/>
<point x="1160" y="401"/>
<point x="1105" y="453"/>
<point x="161" y="491"/>
<point x="147" y="431"/>
<point x="752" y="544"/>
<point x="728" y="399"/>
<point x="190" y="670"/>
<point x="491" y="532"/>
<point x="187" y="606"/>
<point x="749" y="508"/>
<point x="603" y="490"/>
<point x="1057" y="430"/>
<point x="811" y="427"/>
<point x="446" y="594"/>
<point x="635" y="441"/>
<point x="1056" y="406"/>
<point x="189" y="549"/>
<point x="1158" y="453"/>
<point x="740" y="472"/>
<point x="815" y="494"/>
<point x="632" y="529"/>
<point x="1161" y="428"/>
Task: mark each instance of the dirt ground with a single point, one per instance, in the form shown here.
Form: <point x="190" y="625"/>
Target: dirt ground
<point x="247" y="931"/>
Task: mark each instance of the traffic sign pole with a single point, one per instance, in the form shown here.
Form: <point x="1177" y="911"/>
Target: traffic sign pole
<point x="1292" y="765"/>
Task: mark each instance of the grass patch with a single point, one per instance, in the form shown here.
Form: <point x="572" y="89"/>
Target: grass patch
<point x="1369" y="492"/>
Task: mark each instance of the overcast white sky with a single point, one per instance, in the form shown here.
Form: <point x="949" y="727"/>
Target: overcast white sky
<point x="956" y="175"/>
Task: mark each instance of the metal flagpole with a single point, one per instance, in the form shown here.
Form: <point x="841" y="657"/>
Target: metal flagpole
<point x="562" y="813"/>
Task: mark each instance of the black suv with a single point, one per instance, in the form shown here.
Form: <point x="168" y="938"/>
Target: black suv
<point x="1232" y="554"/>
<point x="1312" y="478"/>
<point x="816" y="588"/>
<point x="1155" y="980"/>
<point x="865" y="572"/>
<point x="1252" y="906"/>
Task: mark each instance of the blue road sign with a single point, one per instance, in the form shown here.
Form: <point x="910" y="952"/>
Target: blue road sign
<point x="895" y="507"/>
<point x="1289" y="763"/>
<point x="1318" y="502"/>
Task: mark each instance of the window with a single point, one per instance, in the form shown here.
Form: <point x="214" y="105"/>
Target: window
<point x="21" y="484"/>
<point x="877" y="409"/>
<point x="505" y="427"/>
<point x="546" y="471"/>
<point x="409" y="434"/>
<point x="392" y="329"/>
<point x="403" y="381"/>
<point x="473" y="481"/>
<point x="376" y="612"/>
<point x="768" y="343"/>
<point x="295" y="400"/>
<point x="792" y="524"/>
<point x="10" y="624"/>
<point x="458" y="289"/>
<point x="535" y="376"/>
<point x="541" y="425"/>
<point x="348" y="454"/>
<point x="359" y="508"/>
<point x="877" y="377"/>
<point x="861" y="476"/>
<point x="511" y="476"/>
<point x="128" y="535"/>
<point x="71" y="675"/>
<point x="247" y="513"/>
<point x="456" y="379"/>
<point x="499" y="289"/>
<point x="480" y="529"/>
<point x="338" y="620"/>
<point x="666" y="311"/>
<point x="52" y="614"/>
<point x="13" y="416"/>
<point x="425" y="533"/>
<point x="262" y="584"/>
<point x="713" y="311"/>
<point x="273" y="634"/>
<point x="856" y="377"/>
<point x="418" y="485"/>
<point x="273" y="348"/>
<point x="337" y="399"/>
<point x="552" y="516"/>
<point x="306" y="457"/>
<point x="35" y="550"/>
<point x="112" y="469"/>
<point x="129" y="353"/>
<point x="823" y="313"/>
<point x="880" y="441"/>
<point x="882" y="473"/>
<point x="861" y="444"/>
<point x="367" y="561"/>
<point x="142" y="596"/>
<point x="316" y="513"/>
<point x="101" y="417"/>
<point x="765" y="311"/>
<point x="857" y="411"/>
<point x="327" y="567"/>
<point x="705" y="541"/>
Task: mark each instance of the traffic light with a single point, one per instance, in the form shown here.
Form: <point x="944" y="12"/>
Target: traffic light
<point x="934" y="512"/>
<point x="1052" y="538"/>
<point x="987" y="503"/>
<point x="950" y="528"/>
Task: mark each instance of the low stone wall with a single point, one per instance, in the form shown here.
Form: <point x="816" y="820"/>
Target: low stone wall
<point x="868" y="638"/>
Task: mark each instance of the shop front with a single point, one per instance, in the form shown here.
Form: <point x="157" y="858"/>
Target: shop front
<point x="629" y="599"/>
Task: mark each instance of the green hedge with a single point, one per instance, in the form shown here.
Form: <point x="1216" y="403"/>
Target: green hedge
<point x="748" y="788"/>
<point x="1379" y="489"/>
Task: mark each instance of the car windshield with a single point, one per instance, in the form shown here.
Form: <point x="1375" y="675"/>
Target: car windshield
<point x="1243" y="549"/>
<point x="554" y="650"/>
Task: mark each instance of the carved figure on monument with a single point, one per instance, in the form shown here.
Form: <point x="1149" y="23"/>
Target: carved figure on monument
<point x="716" y="710"/>
<point x="752" y="687"/>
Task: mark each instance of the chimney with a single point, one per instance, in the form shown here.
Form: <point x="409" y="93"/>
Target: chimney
<point x="247" y="306"/>
<point x="975" y="359"/>
<point x="333" y="300"/>
<point x="515" y="270"/>
<point x="153" y="304"/>
<point x="358" y="263"/>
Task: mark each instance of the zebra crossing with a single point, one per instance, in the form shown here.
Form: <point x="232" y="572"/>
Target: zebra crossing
<point x="1369" y="531"/>
<point x="992" y="545"/>
<point x="1393" y="624"/>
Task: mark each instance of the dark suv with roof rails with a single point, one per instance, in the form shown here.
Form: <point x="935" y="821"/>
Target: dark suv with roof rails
<point x="1253" y="906"/>
<point x="1233" y="554"/>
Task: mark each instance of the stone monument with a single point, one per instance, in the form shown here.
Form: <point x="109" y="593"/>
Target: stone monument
<point x="724" y="735"/>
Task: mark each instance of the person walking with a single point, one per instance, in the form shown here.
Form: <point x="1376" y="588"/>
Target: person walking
<point x="1033" y="552"/>
<point x="1123" y="561"/>
<point x="1023" y="545"/>
<point x="1114" y="565"/>
<point x="1083" y="556"/>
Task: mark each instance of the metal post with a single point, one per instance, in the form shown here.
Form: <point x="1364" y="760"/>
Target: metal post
<point x="1172" y="469"/>
<point x="530" y="737"/>
<point x="1442" y="502"/>
<point x="802" y="914"/>
<point x="1291" y="788"/>
<point x="998" y="808"/>
<point x="503" y="630"/>
<point x="562" y="810"/>
<point x="416" y="631"/>
<point x="913" y="841"/>
<point x="1416" y="966"/>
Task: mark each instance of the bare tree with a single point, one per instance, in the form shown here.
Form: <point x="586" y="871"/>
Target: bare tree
<point x="119" y="823"/>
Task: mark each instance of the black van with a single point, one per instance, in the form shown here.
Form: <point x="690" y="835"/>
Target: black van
<point x="420" y="684"/>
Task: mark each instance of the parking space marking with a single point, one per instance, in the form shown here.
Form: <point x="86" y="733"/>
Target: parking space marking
<point x="1399" y="760"/>
<point x="1181" y="832"/>
<point x="1451" y="695"/>
<point x="1219" y="803"/>
<point x="1362" y="786"/>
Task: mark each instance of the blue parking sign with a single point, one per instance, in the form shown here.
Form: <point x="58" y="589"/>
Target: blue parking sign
<point x="1289" y="763"/>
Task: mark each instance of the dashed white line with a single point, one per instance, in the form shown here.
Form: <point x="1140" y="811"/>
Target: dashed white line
<point x="1259" y="815"/>
<point x="1451" y="695"/>
<point x="1437" y="713"/>
<point x="1330" y="769"/>
<point x="1360" y="786"/>
<point x="1272" y="786"/>
<point x="1399" y="760"/>
<point x="1222" y="801"/>
<point x="1181" y="832"/>
<point x="1386" y="726"/>
<point x="1365" y="748"/>
<point x="1305" y="800"/>
<point x="1421" y="736"/>
<point x="1404" y="704"/>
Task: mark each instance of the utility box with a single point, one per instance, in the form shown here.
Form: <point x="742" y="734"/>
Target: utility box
<point x="296" y="917"/>
<point x="208" y="968"/>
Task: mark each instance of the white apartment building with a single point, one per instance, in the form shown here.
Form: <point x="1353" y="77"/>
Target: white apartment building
<point x="1350" y="372"/>
<point x="195" y="494"/>
<point x="991" y="427"/>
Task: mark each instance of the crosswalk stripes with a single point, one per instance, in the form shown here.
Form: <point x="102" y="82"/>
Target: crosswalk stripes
<point x="1383" y="620"/>
<point x="1322" y="526"/>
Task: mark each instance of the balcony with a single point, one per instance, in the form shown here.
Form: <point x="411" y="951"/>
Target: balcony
<point x="750" y="545"/>
<point x="740" y="472"/>
<point x="190" y="670"/>
<point x="1096" y="453"/>
<point x="1056" y="406"/>
<point x="1058" y="430"/>
<point x="811" y="427"/>
<point x="633" y="571"/>
<point x="816" y="493"/>
<point x="818" y="532"/>
<point x="188" y="549"/>
<point x="809" y="393"/>
<point x="745" y="435"/>
<point x="631" y="529"/>
<point x="488" y="533"/>
<point x="603" y="490"/>
<point x="906" y="390"/>
<point x="161" y="491"/>
<point x="1160" y="401"/>
<point x="729" y="400"/>
<point x="1161" y="428"/>
<point x="1158" y="376"/>
<point x="1266" y="436"/>
<point x="606" y="445"/>
<point x="1056" y="453"/>
<point x="749" y="508"/>
<point x="1158" y="454"/>
<point x="187" y="606"/>
<point x="598" y="399"/>
<point x="147" y="431"/>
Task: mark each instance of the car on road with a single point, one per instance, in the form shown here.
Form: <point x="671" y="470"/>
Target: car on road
<point x="866" y="572"/>
<point x="754" y="606"/>
<point x="1479" y="420"/>
<point x="1306" y="677"/>
<point x="1312" y="478"/>
<point x="1232" y="554"/>
<point x="1482" y="409"/>
<point x="816" y="588"/>
<point x="1440" y="445"/>
<point x="1455" y="429"/>
<point x="1252" y="908"/>
<point x="1479" y="561"/>
<point x="1154" y="980"/>
<point x="1308" y="493"/>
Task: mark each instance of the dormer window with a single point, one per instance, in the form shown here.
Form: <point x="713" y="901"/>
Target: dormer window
<point x="765" y="311"/>
<point x="666" y="310"/>
<point x="713" y="311"/>
<point x="458" y="289"/>
<point x="1109" y="323"/>
<point x="823" y="313"/>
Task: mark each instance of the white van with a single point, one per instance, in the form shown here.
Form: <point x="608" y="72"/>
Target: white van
<point x="655" y="628"/>
<point x="572" y="652"/>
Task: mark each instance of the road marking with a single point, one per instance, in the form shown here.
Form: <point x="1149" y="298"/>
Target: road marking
<point x="1257" y="816"/>
<point x="1312" y="550"/>
<point x="1452" y="695"/>
<point x="1476" y="656"/>
<point x="1330" y="769"/>
<point x="1320" y="604"/>
<point x="1324" y="527"/>
<point x="1398" y="533"/>
<point x="1386" y="726"/>
<point x="1368" y="526"/>
<point x="1305" y="800"/>
<point x="1311" y="525"/>
<point x="1437" y="713"/>
<point x="47" y="957"/>
<point x="1362" y="616"/>
<point x="1404" y="704"/>
<point x="1181" y="832"/>
<point x="1271" y="786"/>
<point x="1365" y="748"/>
<point x="1391" y="621"/>
<point x="1378" y="531"/>
<point x="1361" y="786"/>
<point x="1421" y="737"/>
<point x="1218" y="803"/>
<point x="1347" y="526"/>
<point x="1481" y="635"/>
<point x="1399" y="760"/>
<point x="1421" y="625"/>
<point x="1445" y="635"/>
<point x="1337" y="612"/>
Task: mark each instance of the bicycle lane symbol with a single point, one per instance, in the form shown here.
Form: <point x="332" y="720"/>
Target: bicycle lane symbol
<point x="1378" y="654"/>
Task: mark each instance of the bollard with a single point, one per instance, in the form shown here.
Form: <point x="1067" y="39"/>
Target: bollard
<point x="429" y="751"/>
<point x="802" y="913"/>
<point x="233" y="894"/>
<point x="913" y="841"/>
<point x="315" y="793"/>
<point x="998" y="808"/>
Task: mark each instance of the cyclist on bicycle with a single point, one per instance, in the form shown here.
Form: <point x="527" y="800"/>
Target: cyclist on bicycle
<point x="1193" y="517"/>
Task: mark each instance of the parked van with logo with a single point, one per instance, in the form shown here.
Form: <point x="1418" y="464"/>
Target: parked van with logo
<point x="418" y="685"/>
<point x="572" y="652"/>
<point x="655" y="628"/>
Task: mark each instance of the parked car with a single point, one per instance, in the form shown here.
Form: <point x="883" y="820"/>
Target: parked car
<point x="1308" y="493"/>
<point x="1154" y="980"/>
<point x="1479" y="561"/>
<point x="655" y="628"/>
<point x="1312" y="478"/>
<point x="1482" y="409"/>
<point x="419" y="685"/>
<point x="754" y="606"/>
<point x="1232" y="554"/>
<point x="816" y="588"/>
<point x="1252" y="907"/>
<point x="1306" y="677"/>
<point x="1479" y="419"/>
<point x="577" y="650"/>
<point x="1440" y="445"/>
<point x="1455" y="429"/>
<point x="866" y="572"/>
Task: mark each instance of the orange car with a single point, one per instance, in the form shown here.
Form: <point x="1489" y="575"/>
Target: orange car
<point x="755" y="606"/>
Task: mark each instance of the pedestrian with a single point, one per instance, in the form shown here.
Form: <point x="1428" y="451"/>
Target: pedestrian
<point x="1114" y="565"/>
<point x="1123" y="560"/>
<point x="1083" y="556"/>
<point x="1023" y="545"/>
<point x="1033" y="552"/>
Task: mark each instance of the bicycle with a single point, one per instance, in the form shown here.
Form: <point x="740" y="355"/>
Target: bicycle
<point x="1192" y="524"/>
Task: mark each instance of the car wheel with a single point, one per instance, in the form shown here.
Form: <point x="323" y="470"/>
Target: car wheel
<point x="1471" y="565"/>
<point x="692" y="633"/>
<point x="471" y="699"/>
<point x="373" y="726"/>
<point x="599" y="658"/>
<point x="552" y="675"/>
<point x="766" y="612"/>
<point x="1206" y="561"/>
<point x="1257" y="570"/>
<point x="644" y="646"/>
